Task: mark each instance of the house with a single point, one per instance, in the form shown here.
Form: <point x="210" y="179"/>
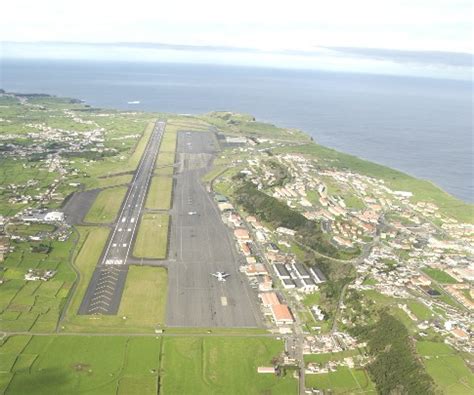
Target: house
<point x="241" y="234"/>
<point x="281" y="314"/>
<point x="265" y="283"/>
<point x="266" y="369"/>
<point x="269" y="298"/>
<point x="256" y="269"/>
<point x="285" y="231"/>
<point x="223" y="207"/>
<point x="281" y="271"/>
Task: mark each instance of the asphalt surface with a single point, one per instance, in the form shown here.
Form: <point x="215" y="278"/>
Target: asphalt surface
<point x="200" y="244"/>
<point x="78" y="206"/>
<point x="106" y="287"/>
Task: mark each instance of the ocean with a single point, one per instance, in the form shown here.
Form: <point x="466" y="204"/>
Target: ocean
<point x="421" y="126"/>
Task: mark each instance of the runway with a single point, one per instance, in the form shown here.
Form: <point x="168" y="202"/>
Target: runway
<point x="105" y="289"/>
<point x="201" y="244"/>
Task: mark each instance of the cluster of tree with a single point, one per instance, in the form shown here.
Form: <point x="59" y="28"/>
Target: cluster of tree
<point x="338" y="275"/>
<point x="281" y="173"/>
<point x="41" y="248"/>
<point x="395" y="368"/>
<point x="271" y="210"/>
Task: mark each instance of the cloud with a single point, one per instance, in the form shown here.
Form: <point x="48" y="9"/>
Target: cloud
<point x="401" y="56"/>
<point x="441" y="25"/>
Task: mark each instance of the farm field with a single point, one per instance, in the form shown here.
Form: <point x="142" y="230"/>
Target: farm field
<point x="93" y="365"/>
<point x="35" y="305"/>
<point x="29" y="229"/>
<point x="215" y="365"/>
<point x="446" y="367"/>
<point x="106" y="206"/>
<point x="129" y="365"/>
<point x="160" y="193"/>
<point x="152" y="239"/>
<point x="342" y="381"/>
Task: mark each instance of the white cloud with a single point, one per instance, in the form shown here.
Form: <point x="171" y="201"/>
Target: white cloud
<point x="301" y="24"/>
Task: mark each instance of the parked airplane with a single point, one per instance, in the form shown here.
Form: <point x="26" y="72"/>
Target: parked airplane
<point x="221" y="276"/>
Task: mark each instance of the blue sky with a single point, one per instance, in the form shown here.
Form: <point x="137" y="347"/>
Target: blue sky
<point x="310" y="29"/>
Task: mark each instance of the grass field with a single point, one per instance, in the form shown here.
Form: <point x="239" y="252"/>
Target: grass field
<point x="160" y="193"/>
<point x="144" y="297"/>
<point x="106" y="206"/>
<point x="447" y="369"/>
<point x="152" y="239"/>
<point x="93" y="365"/>
<point x="342" y="381"/>
<point x="131" y="365"/>
<point x="167" y="153"/>
<point x="439" y="275"/>
<point x="107" y="182"/>
<point x="197" y="365"/>
<point x="420" y="310"/>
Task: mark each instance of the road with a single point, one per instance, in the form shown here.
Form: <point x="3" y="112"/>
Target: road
<point x="105" y="289"/>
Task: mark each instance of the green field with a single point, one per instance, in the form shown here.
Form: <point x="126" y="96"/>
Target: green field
<point x="439" y="275"/>
<point x="35" y="305"/>
<point x="76" y="365"/>
<point x="342" y="381"/>
<point x="107" y="182"/>
<point x="168" y="143"/>
<point x="447" y="368"/>
<point x="420" y="310"/>
<point x="213" y="365"/>
<point x="167" y="153"/>
<point x="160" y="193"/>
<point x="144" y="297"/>
<point x="106" y="206"/>
<point x="132" y="365"/>
<point x="152" y="239"/>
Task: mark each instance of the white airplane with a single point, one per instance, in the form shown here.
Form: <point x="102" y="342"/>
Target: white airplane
<point x="221" y="276"/>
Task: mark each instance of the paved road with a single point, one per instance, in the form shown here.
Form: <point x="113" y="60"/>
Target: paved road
<point x="201" y="244"/>
<point x="105" y="289"/>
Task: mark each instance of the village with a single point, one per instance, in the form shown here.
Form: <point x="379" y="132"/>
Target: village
<point x="407" y="251"/>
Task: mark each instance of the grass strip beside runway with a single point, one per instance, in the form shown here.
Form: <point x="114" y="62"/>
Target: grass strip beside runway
<point x="152" y="239"/>
<point x="159" y="194"/>
<point x="106" y="206"/>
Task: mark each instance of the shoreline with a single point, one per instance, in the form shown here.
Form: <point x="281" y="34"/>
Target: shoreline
<point x="357" y="160"/>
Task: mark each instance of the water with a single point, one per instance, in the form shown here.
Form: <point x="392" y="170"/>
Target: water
<point x="420" y="126"/>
